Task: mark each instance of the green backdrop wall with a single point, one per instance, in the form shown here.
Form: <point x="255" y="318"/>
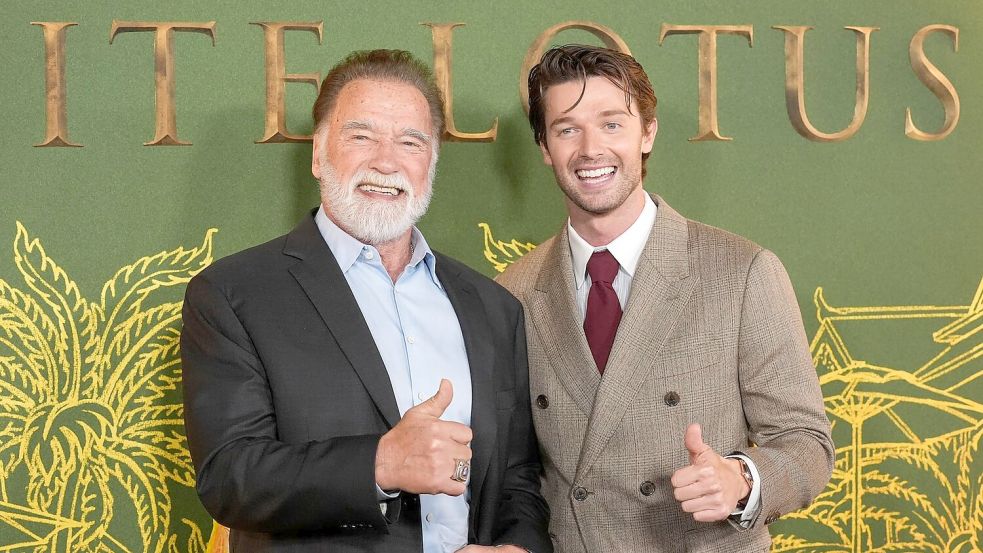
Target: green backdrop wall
<point x="881" y="233"/>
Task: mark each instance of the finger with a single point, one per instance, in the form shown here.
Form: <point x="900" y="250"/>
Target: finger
<point x="437" y="404"/>
<point x="705" y="503"/>
<point x="685" y="476"/>
<point x="453" y="487"/>
<point x="693" y="440"/>
<point x="459" y="451"/>
<point x="460" y="433"/>
<point x="711" y="515"/>
<point x="697" y="489"/>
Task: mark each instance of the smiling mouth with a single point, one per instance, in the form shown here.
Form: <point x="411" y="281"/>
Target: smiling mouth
<point x="595" y="175"/>
<point x="380" y="190"/>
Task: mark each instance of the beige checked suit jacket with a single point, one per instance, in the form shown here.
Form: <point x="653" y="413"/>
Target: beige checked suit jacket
<point x="712" y="334"/>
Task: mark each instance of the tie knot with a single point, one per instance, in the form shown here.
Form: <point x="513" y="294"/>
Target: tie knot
<point x="602" y="267"/>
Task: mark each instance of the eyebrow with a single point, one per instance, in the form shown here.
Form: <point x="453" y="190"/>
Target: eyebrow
<point x="417" y="134"/>
<point x="360" y="125"/>
<point x="606" y="113"/>
<point x="357" y="125"/>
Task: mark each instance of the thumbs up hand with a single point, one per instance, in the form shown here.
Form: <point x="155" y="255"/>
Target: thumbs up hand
<point x="419" y="454"/>
<point x="711" y="485"/>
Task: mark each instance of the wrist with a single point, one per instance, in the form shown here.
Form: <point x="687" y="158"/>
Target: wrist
<point x="382" y="477"/>
<point x="746" y="479"/>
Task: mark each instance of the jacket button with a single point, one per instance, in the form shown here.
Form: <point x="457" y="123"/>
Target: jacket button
<point x="580" y="493"/>
<point x="647" y="488"/>
<point x="772" y="518"/>
<point x="671" y="399"/>
<point x="542" y="401"/>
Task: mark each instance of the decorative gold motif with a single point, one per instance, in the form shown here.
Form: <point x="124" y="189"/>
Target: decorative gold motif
<point x="707" y="54"/>
<point x="91" y="420"/>
<point x="909" y="470"/>
<point x="502" y="254"/>
<point x="443" y="34"/>
<point x="937" y="82"/>
<point x="165" y="115"/>
<point x="277" y="77"/>
<point x="795" y="83"/>
<point x="56" y="114"/>
<point x="917" y="485"/>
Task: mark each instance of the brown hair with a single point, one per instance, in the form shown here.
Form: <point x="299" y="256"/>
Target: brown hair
<point x="577" y="62"/>
<point x="380" y="65"/>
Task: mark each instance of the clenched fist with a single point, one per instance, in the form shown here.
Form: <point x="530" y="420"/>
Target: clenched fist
<point x="418" y="454"/>
<point x="711" y="485"/>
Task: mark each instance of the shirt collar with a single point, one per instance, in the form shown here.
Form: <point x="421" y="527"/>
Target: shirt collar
<point x="626" y="248"/>
<point x="347" y="249"/>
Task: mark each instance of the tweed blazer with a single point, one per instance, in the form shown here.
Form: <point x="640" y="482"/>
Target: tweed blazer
<point x="711" y="333"/>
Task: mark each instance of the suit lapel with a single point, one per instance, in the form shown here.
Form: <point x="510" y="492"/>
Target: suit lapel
<point x="555" y="315"/>
<point x="661" y="287"/>
<point x="481" y="354"/>
<point x="318" y="274"/>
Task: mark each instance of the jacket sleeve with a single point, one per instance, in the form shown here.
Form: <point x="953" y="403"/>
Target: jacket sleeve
<point x="782" y="400"/>
<point x="523" y="515"/>
<point x="246" y="477"/>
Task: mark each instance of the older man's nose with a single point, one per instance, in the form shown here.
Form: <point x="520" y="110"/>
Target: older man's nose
<point x="384" y="158"/>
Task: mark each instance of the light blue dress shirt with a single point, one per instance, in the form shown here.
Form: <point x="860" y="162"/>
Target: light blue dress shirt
<point x="417" y="332"/>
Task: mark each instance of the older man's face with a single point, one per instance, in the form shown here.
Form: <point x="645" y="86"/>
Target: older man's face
<point x="376" y="160"/>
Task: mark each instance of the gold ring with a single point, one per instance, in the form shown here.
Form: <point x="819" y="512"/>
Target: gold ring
<point x="462" y="469"/>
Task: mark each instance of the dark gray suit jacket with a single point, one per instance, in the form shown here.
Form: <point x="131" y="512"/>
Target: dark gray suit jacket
<point x="286" y="397"/>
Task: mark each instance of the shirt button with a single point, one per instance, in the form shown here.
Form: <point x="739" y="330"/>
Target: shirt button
<point x="429" y="517"/>
<point x="421" y="396"/>
<point x="411" y="339"/>
<point x="369" y="255"/>
<point x="671" y="399"/>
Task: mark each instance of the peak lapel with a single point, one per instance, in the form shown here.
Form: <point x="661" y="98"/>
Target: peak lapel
<point x="660" y="289"/>
<point x="555" y="316"/>
<point x="318" y="274"/>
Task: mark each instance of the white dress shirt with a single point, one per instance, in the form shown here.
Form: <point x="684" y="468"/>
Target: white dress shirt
<point x="627" y="249"/>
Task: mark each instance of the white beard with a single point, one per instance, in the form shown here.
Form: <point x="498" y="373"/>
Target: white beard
<point x="373" y="221"/>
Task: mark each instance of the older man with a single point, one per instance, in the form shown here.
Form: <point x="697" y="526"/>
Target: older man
<point x="676" y="400"/>
<point x="347" y="388"/>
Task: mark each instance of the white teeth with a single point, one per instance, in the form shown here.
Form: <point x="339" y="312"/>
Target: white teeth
<point x="380" y="189"/>
<point x="594" y="173"/>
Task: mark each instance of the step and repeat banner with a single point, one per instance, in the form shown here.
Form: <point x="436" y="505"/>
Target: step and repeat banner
<point x="140" y="141"/>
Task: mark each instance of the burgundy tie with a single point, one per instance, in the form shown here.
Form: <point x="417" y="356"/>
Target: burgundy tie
<point x="603" y="309"/>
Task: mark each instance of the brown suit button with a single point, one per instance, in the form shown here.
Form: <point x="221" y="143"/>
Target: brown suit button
<point x="580" y="493"/>
<point x="647" y="488"/>
<point x="772" y="518"/>
<point x="542" y="401"/>
<point x="671" y="399"/>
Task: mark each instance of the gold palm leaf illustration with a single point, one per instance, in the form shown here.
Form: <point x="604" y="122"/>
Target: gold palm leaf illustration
<point x="501" y="254"/>
<point x="91" y="421"/>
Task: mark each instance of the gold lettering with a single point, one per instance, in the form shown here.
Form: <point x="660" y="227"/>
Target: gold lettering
<point x="707" y="54"/>
<point x="795" y="83"/>
<point x="606" y="34"/>
<point x="443" y="33"/>
<point x="277" y="78"/>
<point x="165" y="116"/>
<point x="938" y="83"/>
<point x="56" y="114"/>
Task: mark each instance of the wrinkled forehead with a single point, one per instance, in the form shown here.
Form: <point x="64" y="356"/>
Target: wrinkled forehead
<point x="383" y="101"/>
